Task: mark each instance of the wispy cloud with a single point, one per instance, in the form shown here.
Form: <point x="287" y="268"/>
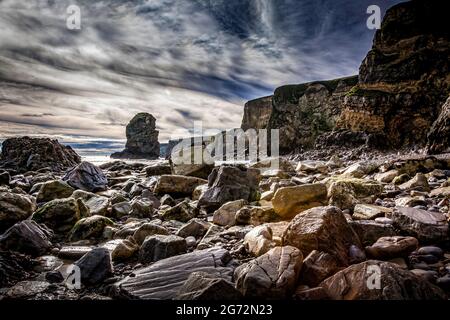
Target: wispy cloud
<point x="182" y="61"/>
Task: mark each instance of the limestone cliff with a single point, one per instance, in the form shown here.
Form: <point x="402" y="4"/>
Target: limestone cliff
<point x="404" y="79"/>
<point x="302" y="112"/>
<point x="257" y="113"/>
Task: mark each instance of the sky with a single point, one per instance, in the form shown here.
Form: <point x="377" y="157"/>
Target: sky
<point x="180" y="60"/>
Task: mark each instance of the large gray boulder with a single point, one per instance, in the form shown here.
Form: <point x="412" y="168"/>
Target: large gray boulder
<point x="163" y="279"/>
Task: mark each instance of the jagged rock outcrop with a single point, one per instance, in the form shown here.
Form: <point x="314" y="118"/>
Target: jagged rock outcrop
<point x="439" y="135"/>
<point x="257" y="113"/>
<point x="142" y="139"/>
<point x="403" y="80"/>
<point x="30" y="154"/>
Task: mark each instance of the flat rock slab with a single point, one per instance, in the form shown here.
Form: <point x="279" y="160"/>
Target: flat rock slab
<point x="163" y="279"/>
<point x="73" y="252"/>
<point x="426" y="226"/>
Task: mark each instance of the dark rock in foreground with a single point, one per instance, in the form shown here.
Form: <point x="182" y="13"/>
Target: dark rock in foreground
<point x="163" y="279"/>
<point x="359" y="282"/>
<point x="26" y="237"/>
<point x="31" y="154"/>
<point x="229" y="183"/>
<point x="87" y="177"/>
<point x="142" y="139"/>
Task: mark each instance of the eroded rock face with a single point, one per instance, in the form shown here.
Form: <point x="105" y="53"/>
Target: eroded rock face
<point x="270" y="276"/>
<point x="439" y="135"/>
<point x="163" y="279"/>
<point x="303" y="112"/>
<point x="142" y="139"/>
<point x="323" y="229"/>
<point x="395" y="284"/>
<point x="257" y="113"/>
<point x="402" y="81"/>
<point x="31" y="154"/>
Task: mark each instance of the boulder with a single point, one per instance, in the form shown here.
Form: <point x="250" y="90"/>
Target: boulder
<point x="163" y="279"/>
<point x="203" y="286"/>
<point x="256" y="215"/>
<point x="121" y="249"/>
<point x="95" y="266"/>
<point x="288" y="202"/>
<point x="158" y="169"/>
<point x="142" y="139"/>
<point x="89" y="228"/>
<point x="229" y="183"/>
<point x="226" y="214"/>
<point x="31" y="154"/>
<point x="271" y="276"/>
<point x="392" y="247"/>
<point x="370" y="231"/>
<point x="259" y="240"/>
<point x="60" y="215"/>
<point x="386" y="177"/>
<point x="26" y="237"/>
<point x="318" y="266"/>
<point x="419" y="182"/>
<point x="360" y="282"/>
<point x="121" y="209"/>
<point x="345" y="193"/>
<point x="184" y="211"/>
<point x="14" y="208"/>
<point x="87" y="177"/>
<point x="98" y="205"/>
<point x="323" y="229"/>
<point x="160" y="247"/>
<point x="426" y="226"/>
<point x="194" y="228"/>
<point x="177" y="185"/>
<point x="148" y="229"/>
<point x="52" y="190"/>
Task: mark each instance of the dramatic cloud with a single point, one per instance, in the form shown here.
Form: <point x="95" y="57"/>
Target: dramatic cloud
<point x="180" y="60"/>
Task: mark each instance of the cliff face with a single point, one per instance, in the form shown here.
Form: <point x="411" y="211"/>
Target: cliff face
<point x="402" y="84"/>
<point x="302" y="112"/>
<point x="257" y="113"/>
<point x="439" y="136"/>
<point x="404" y="79"/>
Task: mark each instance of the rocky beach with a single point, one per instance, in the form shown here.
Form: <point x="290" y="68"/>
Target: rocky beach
<point x="357" y="208"/>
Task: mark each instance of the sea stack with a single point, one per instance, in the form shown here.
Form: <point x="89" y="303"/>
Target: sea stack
<point x="142" y="139"/>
